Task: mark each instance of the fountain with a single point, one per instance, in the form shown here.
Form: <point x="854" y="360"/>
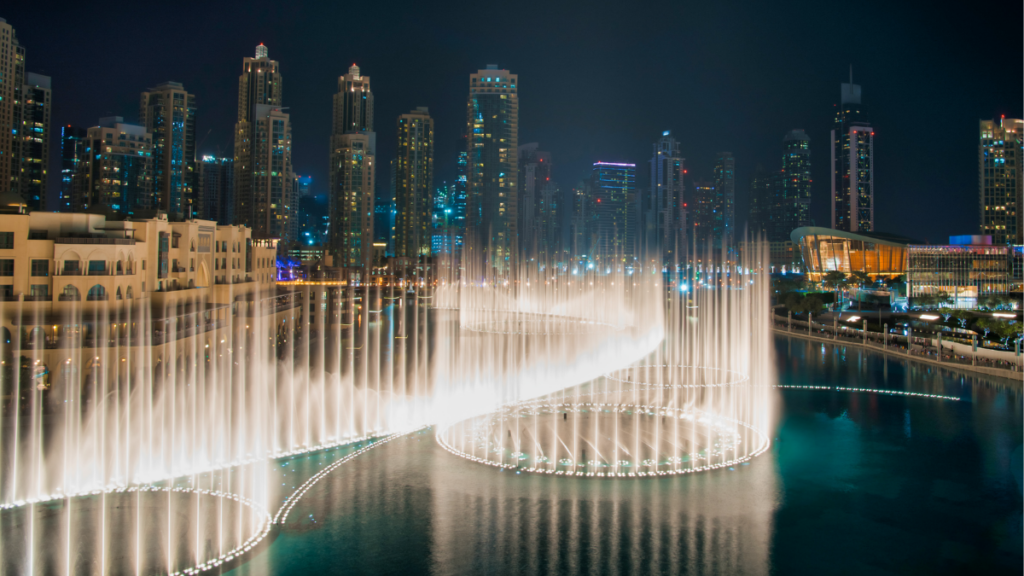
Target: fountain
<point x="143" y="438"/>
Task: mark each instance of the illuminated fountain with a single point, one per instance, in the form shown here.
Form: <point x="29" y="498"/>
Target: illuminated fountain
<point x="147" y="438"/>
<point x="142" y="439"/>
<point x="655" y="377"/>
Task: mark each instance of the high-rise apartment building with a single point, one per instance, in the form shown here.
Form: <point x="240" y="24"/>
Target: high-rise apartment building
<point x="352" y="172"/>
<point x="725" y="187"/>
<point x="760" y="200"/>
<point x="352" y="167"/>
<point x="414" y="184"/>
<point x="458" y="203"/>
<point x="168" y="112"/>
<point x="1000" y="189"/>
<point x="12" y="74"/>
<point x="612" y="196"/>
<point x="117" y="169"/>
<point x="215" y="185"/>
<point x="73" y="142"/>
<point x="353" y="103"/>
<point x="264" y="184"/>
<point x="492" y="141"/>
<point x="538" y="207"/>
<point x="708" y="215"/>
<point x="33" y="140"/>
<point x="661" y="214"/>
<point x="791" y="206"/>
<point x="853" y="164"/>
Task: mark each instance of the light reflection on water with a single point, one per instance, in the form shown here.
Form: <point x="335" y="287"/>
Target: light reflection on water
<point x="855" y="483"/>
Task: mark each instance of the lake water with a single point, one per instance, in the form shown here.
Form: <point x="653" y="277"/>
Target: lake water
<point x="855" y="483"/>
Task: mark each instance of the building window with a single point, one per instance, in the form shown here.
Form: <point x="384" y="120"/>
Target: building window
<point x="71" y="267"/>
<point x="6" y="240"/>
<point x="40" y="267"/>
<point x="7" y="267"/>
<point x="40" y="291"/>
<point x="97" y="267"/>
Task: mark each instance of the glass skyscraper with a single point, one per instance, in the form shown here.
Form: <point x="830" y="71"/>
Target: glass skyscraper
<point x="853" y="163"/>
<point x="168" y="112"/>
<point x="492" y="132"/>
<point x="1001" y="193"/>
<point x="612" y="198"/>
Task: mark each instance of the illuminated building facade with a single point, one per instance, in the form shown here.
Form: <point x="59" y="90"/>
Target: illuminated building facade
<point x="168" y="112"/>
<point x="968" y="268"/>
<point x="1001" y="180"/>
<point x="612" y="190"/>
<point x="492" y="143"/>
<point x="414" y="183"/>
<point x="351" y="197"/>
<point x="352" y="174"/>
<point x="12" y="74"/>
<point x="825" y="250"/>
<point x="216" y="189"/>
<point x="73" y="142"/>
<point x="661" y="214"/>
<point x="116" y="169"/>
<point x="264" y="184"/>
<point x="707" y="215"/>
<point x="853" y="164"/>
<point x="539" y="200"/>
<point x="725" y="188"/>
<point x="33" y="140"/>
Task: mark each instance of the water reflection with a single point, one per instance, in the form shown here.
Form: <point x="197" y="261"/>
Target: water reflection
<point x="855" y="483"/>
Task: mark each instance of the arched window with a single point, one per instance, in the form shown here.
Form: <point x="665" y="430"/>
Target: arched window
<point x="97" y="292"/>
<point x="117" y="296"/>
<point x="120" y="268"/>
<point x="70" y="293"/>
<point x="129" y="292"/>
<point x="193" y="248"/>
<point x="5" y="335"/>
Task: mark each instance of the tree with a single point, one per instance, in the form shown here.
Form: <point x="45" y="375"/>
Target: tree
<point x="962" y="316"/>
<point x="985" y="324"/>
<point x="788" y="283"/>
<point x="812" y="304"/>
<point x="860" y="279"/>
<point x="1007" y="330"/>
<point x="897" y="283"/>
<point x="946" y="313"/>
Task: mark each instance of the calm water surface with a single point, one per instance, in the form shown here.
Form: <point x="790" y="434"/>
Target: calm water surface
<point x="854" y="484"/>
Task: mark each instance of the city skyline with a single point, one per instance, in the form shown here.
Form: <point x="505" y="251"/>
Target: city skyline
<point x="714" y="112"/>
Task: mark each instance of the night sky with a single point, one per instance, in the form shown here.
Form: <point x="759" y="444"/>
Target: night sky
<point x="598" y="81"/>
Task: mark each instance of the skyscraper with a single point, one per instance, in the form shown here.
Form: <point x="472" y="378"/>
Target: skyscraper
<point x="853" y="165"/>
<point x="662" y="217"/>
<point x="73" y="142"/>
<point x="264" y="184"/>
<point x="12" y="72"/>
<point x="33" y="140"/>
<point x="216" y="189"/>
<point x="117" y="169"/>
<point x="352" y="170"/>
<point x="458" y="203"/>
<point x="791" y="206"/>
<point x="1001" y="193"/>
<point x="760" y="201"/>
<point x="414" y="184"/>
<point x="492" y="134"/>
<point x="612" y="193"/>
<point x="725" y="188"/>
<point x="168" y="112"/>
<point x="539" y="199"/>
<point x="708" y="215"/>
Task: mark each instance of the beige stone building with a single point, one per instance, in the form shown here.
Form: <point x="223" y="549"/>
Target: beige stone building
<point x="54" y="262"/>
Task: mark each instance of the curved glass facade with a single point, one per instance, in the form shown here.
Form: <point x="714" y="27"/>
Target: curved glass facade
<point x="826" y="250"/>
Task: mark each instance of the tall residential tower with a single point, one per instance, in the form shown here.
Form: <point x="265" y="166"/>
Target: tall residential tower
<point x="661" y="214"/>
<point x="853" y="164"/>
<point x="1001" y="194"/>
<point x="352" y="172"/>
<point x="168" y="112"/>
<point x="264" y="184"/>
<point x="414" y="183"/>
<point x="492" y="134"/>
